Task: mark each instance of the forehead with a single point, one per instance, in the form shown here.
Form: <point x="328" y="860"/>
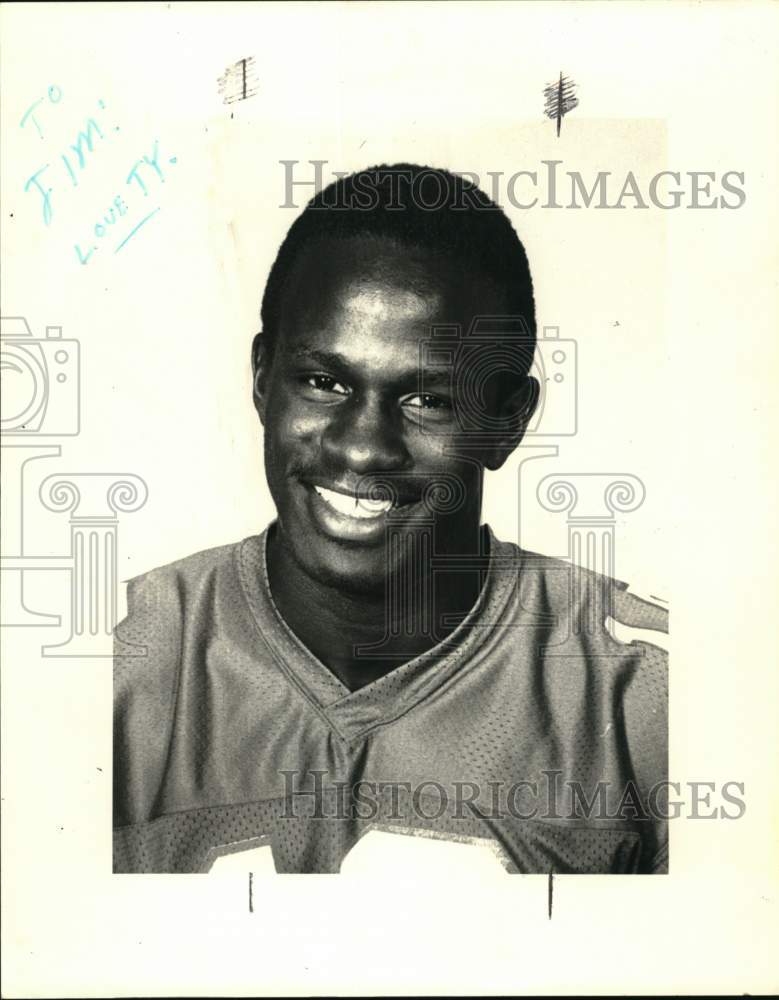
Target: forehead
<point x="366" y="289"/>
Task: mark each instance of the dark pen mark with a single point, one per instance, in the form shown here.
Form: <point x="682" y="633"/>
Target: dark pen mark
<point x="238" y="82"/>
<point x="251" y="896"/>
<point x="551" y="892"/>
<point x="560" y="98"/>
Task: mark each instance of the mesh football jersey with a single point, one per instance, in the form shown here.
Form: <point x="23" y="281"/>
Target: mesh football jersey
<point x="530" y="729"/>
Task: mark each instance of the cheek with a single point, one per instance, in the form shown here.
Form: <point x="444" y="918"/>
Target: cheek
<point x="439" y="455"/>
<point x="291" y="432"/>
<point x="438" y="450"/>
<point x="428" y="441"/>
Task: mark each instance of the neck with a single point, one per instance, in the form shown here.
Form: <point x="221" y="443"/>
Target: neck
<point x="333" y="624"/>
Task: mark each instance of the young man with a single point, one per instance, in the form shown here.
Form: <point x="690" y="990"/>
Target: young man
<point x="376" y="660"/>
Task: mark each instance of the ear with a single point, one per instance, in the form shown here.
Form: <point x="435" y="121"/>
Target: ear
<point x="260" y="366"/>
<point x="516" y="409"/>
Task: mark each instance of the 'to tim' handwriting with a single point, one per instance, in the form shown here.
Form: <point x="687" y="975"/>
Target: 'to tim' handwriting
<point x="69" y="165"/>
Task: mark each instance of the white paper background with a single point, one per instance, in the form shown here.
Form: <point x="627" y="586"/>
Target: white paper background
<point x="680" y="393"/>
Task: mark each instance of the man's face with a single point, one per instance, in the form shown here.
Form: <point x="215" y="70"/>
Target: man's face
<point x="345" y="419"/>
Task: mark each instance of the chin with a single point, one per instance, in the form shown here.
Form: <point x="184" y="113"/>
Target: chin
<point x="349" y="570"/>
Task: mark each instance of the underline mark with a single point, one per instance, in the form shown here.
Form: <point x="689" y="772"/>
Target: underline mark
<point x="134" y="231"/>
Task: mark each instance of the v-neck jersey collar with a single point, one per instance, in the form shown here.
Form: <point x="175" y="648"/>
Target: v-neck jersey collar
<point x="353" y="713"/>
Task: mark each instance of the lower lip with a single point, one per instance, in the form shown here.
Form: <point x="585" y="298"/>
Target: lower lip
<point x="349" y="529"/>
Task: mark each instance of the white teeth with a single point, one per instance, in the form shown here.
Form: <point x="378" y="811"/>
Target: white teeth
<point x="352" y="506"/>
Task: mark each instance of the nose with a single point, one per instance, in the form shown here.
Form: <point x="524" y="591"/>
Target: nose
<point x="364" y="437"/>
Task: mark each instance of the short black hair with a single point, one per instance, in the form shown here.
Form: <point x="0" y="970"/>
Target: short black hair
<point x="417" y="207"/>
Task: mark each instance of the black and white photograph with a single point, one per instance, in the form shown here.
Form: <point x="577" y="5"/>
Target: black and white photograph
<point x="388" y="494"/>
<point x="376" y="658"/>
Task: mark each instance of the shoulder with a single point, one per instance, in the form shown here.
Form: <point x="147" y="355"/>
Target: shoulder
<point x="585" y="601"/>
<point x="618" y="636"/>
<point x="166" y="603"/>
<point x="596" y="635"/>
<point x="170" y="590"/>
<point x="186" y="572"/>
<point x="170" y="610"/>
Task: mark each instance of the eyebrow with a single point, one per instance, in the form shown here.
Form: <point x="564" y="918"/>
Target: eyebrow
<point x="432" y="377"/>
<point x="326" y="358"/>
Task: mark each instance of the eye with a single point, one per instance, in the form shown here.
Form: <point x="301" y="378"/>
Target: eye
<point x="326" y="383"/>
<point x="427" y="401"/>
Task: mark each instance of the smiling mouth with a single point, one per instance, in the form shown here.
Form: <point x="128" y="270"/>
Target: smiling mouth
<point x="357" y="507"/>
